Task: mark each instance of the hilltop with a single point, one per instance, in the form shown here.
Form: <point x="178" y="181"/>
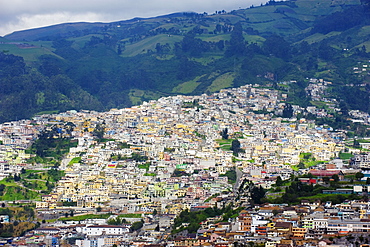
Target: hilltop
<point x="112" y="65"/>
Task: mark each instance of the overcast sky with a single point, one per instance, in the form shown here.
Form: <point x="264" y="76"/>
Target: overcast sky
<point x="18" y="15"/>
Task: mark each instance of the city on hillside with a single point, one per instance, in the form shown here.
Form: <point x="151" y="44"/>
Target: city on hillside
<point x="240" y="167"/>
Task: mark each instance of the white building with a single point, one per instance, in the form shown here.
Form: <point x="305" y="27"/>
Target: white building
<point x="104" y="230"/>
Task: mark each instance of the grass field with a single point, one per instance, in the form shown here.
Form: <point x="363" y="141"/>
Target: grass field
<point x="320" y="104"/>
<point x="317" y="37"/>
<point x="86" y="216"/>
<point x="224" y="144"/>
<point x="29" y="54"/>
<point x="12" y="193"/>
<point x="188" y="86"/>
<point x="215" y="38"/>
<point x="130" y="216"/>
<point x="80" y="41"/>
<point x="47" y="112"/>
<point x="149" y="44"/>
<point x="136" y="96"/>
<point x="8" y="184"/>
<point x="208" y="58"/>
<point x="74" y="160"/>
<point x="223" y="81"/>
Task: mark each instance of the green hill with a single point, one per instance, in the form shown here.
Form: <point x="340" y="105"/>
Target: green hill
<point x="108" y="65"/>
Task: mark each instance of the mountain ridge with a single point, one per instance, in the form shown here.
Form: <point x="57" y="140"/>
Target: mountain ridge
<point x="34" y="32"/>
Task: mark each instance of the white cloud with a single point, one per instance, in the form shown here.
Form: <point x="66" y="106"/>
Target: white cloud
<point x="24" y="14"/>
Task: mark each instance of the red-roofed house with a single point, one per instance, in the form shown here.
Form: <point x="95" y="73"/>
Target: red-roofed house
<point x="327" y="173"/>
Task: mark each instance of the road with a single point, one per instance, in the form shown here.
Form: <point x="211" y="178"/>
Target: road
<point x="239" y="175"/>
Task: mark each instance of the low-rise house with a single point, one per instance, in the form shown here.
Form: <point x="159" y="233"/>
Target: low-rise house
<point x="98" y="230"/>
<point x="327" y="173"/>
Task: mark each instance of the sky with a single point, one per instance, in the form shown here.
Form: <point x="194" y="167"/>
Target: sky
<point x="16" y="15"/>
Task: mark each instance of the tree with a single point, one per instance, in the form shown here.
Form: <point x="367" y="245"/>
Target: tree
<point x="288" y="111"/>
<point x="224" y="134"/>
<point x="116" y="221"/>
<point x="335" y="177"/>
<point x="279" y="181"/>
<point x="235" y="147"/>
<point x="99" y="131"/>
<point x="17" y="177"/>
<point x="359" y="175"/>
<point x="237" y="45"/>
<point x="137" y="225"/>
<point x="356" y="143"/>
<point x="119" y="49"/>
<point x="301" y="165"/>
<point x="257" y="194"/>
<point x="277" y="46"/>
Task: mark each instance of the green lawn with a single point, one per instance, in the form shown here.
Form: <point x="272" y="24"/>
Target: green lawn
<point x="345" y="156"/>
<point x="130" y="215"/>
<point x="74" y="161"/>
<point x="224" y="141"/>
<point x="335" y="198"/>
<point x="86" y="216"/>
<point x="149" y="44"/>
<point x="12" y="193"/>
<point x="225" y="144"/>
<point x="364" y="140"/>
<point x="12" y="183"/>
<point x="30" y="54"/>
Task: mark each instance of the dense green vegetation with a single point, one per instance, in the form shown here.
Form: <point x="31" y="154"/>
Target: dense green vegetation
<point x="345" y="156"/>
<point x="21" y="218"/>
<point x="297" y="191"/>
<point x="190" y="220"/>
<point x="51" y="145"/>
<point x="137" y="225"/>
<point x="74" y="161"/>
<point x="231" y="175"/>
<point x="29" y="184"/>
<point x="116" y="221"/>
<point x="102" y="66"/>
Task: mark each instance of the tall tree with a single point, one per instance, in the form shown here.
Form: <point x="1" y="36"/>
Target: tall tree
<point x="288" y="111"/>
<point x="237" y="45"/>
<point x="276" y="45"/>
<point x="235" y="147"/>
<point x="224" y="134"/>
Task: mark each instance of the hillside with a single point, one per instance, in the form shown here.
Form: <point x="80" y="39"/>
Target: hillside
<point x="111" y="65"/>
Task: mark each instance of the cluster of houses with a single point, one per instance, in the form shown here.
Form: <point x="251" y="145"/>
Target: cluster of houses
<point x="181" y="136"/>
<point x="170" y="154"/>
<point x="362" y="68"/>
<point x="307" y="224"/>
